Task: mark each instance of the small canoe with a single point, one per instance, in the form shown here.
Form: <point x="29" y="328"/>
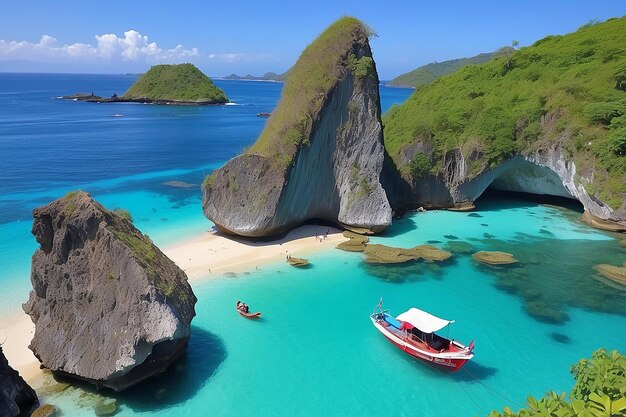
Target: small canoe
<point x="249" y="315"/>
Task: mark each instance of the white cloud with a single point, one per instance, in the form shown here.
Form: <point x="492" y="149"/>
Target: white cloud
<point x="133" y="46"/>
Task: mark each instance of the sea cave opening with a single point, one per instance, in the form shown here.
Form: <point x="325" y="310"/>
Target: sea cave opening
<point x="519" y="181"/>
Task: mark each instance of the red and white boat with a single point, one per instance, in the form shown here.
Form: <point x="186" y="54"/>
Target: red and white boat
<point x="414" y="332"/>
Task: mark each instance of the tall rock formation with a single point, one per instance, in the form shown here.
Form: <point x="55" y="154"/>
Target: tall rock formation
<point x="17" y="399"/>
<point x="321" y="153"/>
<point x="108" y="306"/>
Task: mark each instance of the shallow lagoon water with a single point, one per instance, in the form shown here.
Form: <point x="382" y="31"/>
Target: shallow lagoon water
<point x="315" y="351"/>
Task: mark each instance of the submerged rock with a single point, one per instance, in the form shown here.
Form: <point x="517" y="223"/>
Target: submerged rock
<point x="46" y="410"/>
<point x="494" y="258"/>
<point x="614" y="273"/>
<point x="321" y="152"/>
<point x="356" y="242"/>
<point x="16" y="397"/>
<point x="108" y="306"/>
<point x="381" y="254"/>
<point x="297" y="262"/>
<point x="106" y="407"/>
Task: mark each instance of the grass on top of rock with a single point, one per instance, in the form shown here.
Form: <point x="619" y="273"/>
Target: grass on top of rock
<point x="328" y="59"/>
<point x="569" y="90"/>
<point x="182" y="82"/>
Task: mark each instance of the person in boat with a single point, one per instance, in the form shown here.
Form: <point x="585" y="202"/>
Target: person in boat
<point x="246" y="309"/>
<point x="239" y="305"/>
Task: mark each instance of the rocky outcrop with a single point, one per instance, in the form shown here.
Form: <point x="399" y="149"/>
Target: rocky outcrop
<point x="16" y="397"/>
<point x="322" y="164"/>
<point x="545" y="172"/>
<point x="108" y="306"/>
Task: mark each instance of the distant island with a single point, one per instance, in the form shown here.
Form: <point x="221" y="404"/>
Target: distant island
<point x="268" y="76"/>
<point x="181" y="84"/>
<point x="428" y="73"/>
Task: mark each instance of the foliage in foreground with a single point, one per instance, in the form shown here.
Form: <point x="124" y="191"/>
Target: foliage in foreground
<point x="182" y="82"/>
<point x="568" y="90"/>
<point x="599" y="391"/>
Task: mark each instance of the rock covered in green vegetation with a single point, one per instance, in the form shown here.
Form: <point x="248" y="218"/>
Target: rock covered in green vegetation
<point x="428" y="73"/>
<point x="546" y="119"/>
<point x="321" y="152"/>
<point x="16" y="397"/>
<point x="175" y="83"/>
<point x="108" y="306"/>
<point x="182" y="84"/>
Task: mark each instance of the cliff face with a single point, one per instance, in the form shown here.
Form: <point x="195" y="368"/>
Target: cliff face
<point x="325" y="163"/>
<point x="546" y="119"/>
<point x="108" y="306"/>
<point x="545" y="172"/>
<point x="17" y="399"/>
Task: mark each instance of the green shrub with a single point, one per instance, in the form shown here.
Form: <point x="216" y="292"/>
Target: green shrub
<point x="599" y="391"/>
<point x="603" y="112"/>
<point x="124" y="214"/>
<point x="420" y="165"/>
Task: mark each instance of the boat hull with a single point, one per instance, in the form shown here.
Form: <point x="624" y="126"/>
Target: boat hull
<point x="450" y="361"/>
<point x="250" y="315"/>
<point x="449" y="364"/>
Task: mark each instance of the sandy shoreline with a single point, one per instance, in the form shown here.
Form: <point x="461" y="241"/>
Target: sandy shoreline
<point x="210" y="253"/>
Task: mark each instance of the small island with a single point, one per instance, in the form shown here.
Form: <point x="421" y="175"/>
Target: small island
<point x="181" y="84"/>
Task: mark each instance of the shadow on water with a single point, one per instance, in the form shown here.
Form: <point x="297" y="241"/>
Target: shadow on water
<point x="471" y="371"/>
<point x="183" y="379"/>
<point x="400" y="226"/>
<point x="561" y="338"/>
<point x="496" y="200"/>
<point x="180" y="382"/>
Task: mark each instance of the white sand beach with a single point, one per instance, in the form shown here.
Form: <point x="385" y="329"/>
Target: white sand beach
<point x="210" y="254"/>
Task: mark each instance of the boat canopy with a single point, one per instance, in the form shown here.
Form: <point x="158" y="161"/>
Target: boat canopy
<point x="424" y="321"/>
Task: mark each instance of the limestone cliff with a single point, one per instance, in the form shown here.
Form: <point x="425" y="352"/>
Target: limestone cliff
<point x="17" y="399"/>
<point x="321" y="153"/>
<point x="546" y="119"/>
<point x="108" y="306"/>
<point x="543" y="172"/>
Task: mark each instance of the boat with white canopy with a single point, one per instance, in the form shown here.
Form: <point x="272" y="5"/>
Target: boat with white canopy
<point x="414" y="331"/>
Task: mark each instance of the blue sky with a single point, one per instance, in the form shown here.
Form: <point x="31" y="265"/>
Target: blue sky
<point x="259" y="36"/>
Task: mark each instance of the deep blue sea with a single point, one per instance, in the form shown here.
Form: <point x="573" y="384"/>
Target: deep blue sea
<point x="315" y="352"/>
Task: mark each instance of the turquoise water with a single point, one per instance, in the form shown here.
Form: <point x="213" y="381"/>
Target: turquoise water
<point x="315" y="351"/>
<point x="49" y="147"/>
